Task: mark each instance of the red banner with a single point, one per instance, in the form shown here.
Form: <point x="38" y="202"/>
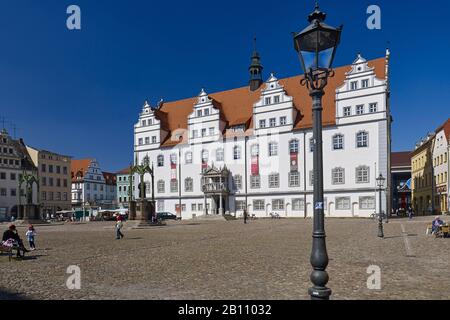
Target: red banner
<point x="255" y="166"/>
<point x="294" y="162"/>
<point x="173" y="171"/>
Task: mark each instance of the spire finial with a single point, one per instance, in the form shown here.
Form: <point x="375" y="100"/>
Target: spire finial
<point x="317" y="14"/>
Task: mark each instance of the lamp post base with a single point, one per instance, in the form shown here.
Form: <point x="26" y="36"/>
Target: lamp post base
<point x="320" y="293"/>
<point x="380" y="230"/>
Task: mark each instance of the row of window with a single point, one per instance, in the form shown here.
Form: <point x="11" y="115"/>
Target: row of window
<point x="203" y="112"/>
<point x="337" y="176"/>
<point x="441" y="178"/>
<point x="362" y="141"/>
<point x="11" y="162"/>
<point x="272" y="122"/>
<point x="360" y="109"/>
<point x="53" y="196"/>
<point x="147" y="140"/>
<point x="355" y="85"/>
<point x="203" y="132"/>
<point x="298" y="204"/>
<point x="12" y="192"/>
<point x="6" y="150"/>
<point x="268" y="100"/>
<point x="437" y="161"/>
<point x="51" y="182"/>
<point x="12" y="176"/>
<point x="148" y="122"/>
<point x="77" y="196"/>
<point x="51" y="168"/>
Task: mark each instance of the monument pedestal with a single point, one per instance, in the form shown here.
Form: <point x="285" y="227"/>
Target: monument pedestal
<point x="29" y="214"/>
<point x="132" y="210"/>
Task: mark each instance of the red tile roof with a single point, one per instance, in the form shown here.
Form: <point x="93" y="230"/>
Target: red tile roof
<point x="236" y="105"/>
<point x="446" y="127"/>
<point x="401" y="159"/>
<point x="79" y="168"/>
<point x="110" y="178"/>
<point x="124" y="171"/>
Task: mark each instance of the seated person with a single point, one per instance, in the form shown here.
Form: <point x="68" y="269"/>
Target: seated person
<point x="437" y="222"/>
<point x="11" y="233"/>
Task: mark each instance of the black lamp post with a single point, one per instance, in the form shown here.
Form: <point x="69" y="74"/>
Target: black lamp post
<point x="316" y="46"/>
<point x="380" y="185"/>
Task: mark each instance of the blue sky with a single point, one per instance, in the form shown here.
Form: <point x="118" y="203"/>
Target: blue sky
<point x="80" y="92"/>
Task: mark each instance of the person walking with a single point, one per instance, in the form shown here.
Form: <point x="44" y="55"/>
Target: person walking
<point x="119" y="225"/>
<point x="30" y="234"/>
<point x="245" y="216"/>
<point x="410" y="213"/>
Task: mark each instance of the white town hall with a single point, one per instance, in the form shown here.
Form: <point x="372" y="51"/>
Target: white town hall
<point x="251" y="147"/>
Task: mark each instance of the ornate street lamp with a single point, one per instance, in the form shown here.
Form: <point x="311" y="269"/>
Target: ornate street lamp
<point x="380" y="185"/>
<point x="316" y="46"/>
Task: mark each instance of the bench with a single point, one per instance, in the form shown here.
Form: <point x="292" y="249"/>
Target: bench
<point x="442" y="232"/>
<point x="9" y="250"/>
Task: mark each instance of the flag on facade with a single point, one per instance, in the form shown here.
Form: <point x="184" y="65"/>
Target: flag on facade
<point x="294" y="162"/>
<point x="255" y="166"/>
<point x="173" y="170"/>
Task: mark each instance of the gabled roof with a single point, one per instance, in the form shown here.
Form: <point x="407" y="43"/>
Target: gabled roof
<point x="79" y="168"/>
<point x="236" y="105"/>
<point x="446" y="127"/>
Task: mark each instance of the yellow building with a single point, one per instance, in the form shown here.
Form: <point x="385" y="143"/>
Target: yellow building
<point x="422" y="184"/>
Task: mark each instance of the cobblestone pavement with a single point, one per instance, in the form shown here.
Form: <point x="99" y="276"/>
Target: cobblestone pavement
<point x="265" y="259"/>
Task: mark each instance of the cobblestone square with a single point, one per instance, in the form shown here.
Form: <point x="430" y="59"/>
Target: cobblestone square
<point x="265" y="259"/>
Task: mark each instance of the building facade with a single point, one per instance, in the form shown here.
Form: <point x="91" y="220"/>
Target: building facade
<point x="252" y="148"/>
<point x="423" y="176"/>
<point x="14" y="162"/>
<point x="91" y="187"/>
<point x="54" y="180"/>
<point x="441" y="167"/>
<point x="401" y="180"/>
<point x="123" y="187"/>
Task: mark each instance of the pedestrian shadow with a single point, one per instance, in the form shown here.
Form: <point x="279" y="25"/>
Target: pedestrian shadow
<point x="8" y="295"/>
<point x="138" y="238"/>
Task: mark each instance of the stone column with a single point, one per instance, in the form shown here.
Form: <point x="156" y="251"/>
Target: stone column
<point x="205" y="210"/>
<point x="220" y="204"/>
<point x="132" y="210"/>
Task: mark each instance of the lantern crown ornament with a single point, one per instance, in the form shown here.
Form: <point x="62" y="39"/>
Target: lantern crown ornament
<point x="316" y="47"/>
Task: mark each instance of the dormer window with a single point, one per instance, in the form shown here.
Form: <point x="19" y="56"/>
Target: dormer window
<point x="268" y="100"/>
<point x="154" y="139"/>
<point x="353" y="85"/>
<point x="150" y="122"/>
<point x="144" y="123"/>
<point x="276" y="99"/>
<point x="199" y="113"/>
<point x="206" y="112"/>
<point x="365" y="83"/>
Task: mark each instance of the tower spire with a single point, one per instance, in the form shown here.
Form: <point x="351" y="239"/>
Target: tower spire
<point x="255" y="69"/>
